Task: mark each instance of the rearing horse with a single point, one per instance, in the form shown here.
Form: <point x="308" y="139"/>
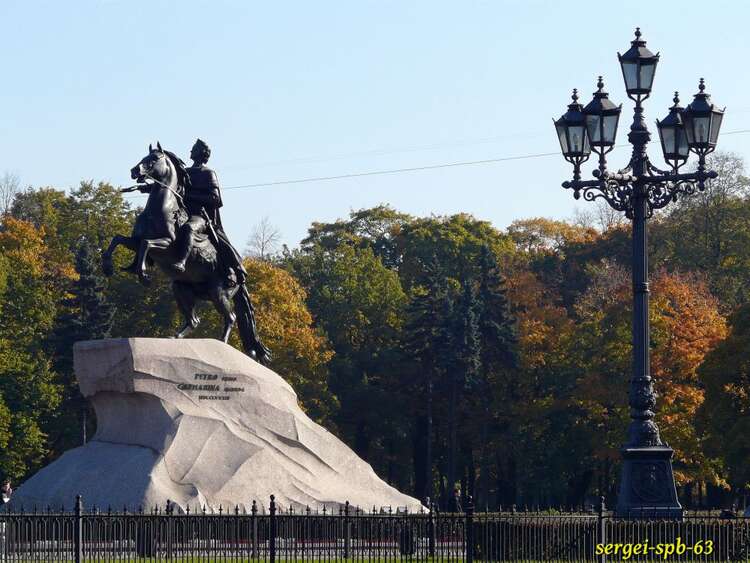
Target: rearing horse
<point x="162" y="175"/>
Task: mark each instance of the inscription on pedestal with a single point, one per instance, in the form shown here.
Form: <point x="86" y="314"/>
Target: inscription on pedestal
<point x="221" y="388"/>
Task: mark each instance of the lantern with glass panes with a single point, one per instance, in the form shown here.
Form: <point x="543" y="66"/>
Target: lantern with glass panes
<point x="672" y="134"/>
<point x="638" y="190"/>
<point x="571" y="132"/>
<point x="702" y="122"/>
<point x="638" y="67"/>
<point x="601" y="122"/>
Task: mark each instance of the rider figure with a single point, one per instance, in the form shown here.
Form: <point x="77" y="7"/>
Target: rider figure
<point x="203" y="199"/>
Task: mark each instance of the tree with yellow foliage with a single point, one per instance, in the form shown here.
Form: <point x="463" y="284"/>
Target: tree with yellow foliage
<point x="300" y="353"/>
<point x="29" y="393"/>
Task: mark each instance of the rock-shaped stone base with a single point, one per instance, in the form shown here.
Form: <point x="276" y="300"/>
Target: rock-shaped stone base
<point x="201" y="424"/>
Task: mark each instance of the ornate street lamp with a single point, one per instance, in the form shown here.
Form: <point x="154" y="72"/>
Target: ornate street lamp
<point x="647" y="486"/>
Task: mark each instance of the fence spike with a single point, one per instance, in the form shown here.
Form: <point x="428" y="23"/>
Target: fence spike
<point x="220" y="510"/>
<point x="254" y="509"/>
<point x="236" y="509"/>
<point x="307" y="510"/>
<point x="187" y="510"/>
<point x="324" y="510"/>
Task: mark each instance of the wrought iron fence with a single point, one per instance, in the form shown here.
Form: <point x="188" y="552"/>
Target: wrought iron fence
<point x="351" y="534"/>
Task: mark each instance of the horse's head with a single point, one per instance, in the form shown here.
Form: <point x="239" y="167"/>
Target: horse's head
<point x="154" y="166"/>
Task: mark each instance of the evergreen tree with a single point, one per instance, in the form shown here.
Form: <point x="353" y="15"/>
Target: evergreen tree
<point x="496" y="323"/>
<point x="87" y="315"/>
<point x="462" y="367"/>
<point x="424" y="345"/>
<point x="497" y="374"/>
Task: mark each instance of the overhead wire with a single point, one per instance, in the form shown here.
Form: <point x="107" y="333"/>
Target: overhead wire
<point x="412" y="168"/>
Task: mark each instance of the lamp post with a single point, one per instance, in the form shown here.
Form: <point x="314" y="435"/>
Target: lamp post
<point x="647" y="482"/>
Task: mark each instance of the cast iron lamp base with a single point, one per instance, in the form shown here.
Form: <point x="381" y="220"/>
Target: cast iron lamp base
<point x="647" y="486"/>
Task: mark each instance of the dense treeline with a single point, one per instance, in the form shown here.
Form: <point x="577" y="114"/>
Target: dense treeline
<point x="442" y="350"/>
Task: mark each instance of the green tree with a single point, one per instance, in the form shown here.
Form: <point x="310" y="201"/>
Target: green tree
<point x="29" y="393"/>
<point x="87" y="314"/>
<point x="300" y="352"/>
<point x="717" y="220"/>
<point x="496" y="373"/>
<point x="424" y="344"/>
<point x="359" y="304"/>
<point x="724" y="417"/>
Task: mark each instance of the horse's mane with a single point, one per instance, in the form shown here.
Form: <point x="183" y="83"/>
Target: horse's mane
<point x="183" y="178"/>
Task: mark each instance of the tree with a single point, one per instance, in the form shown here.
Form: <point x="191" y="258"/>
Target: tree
<point x="359" y="304"/>
<point x="264" y="240"/>
<point x="377" y="228"/>
<point x="463" y="365"/>
<point x="455" y="241"/>
<point x="29" y="392"/>
<point x="425" y="344"/>
<point x="301" y="353"/>
<point x="540" y="235"/>
<point x="10" y="185"/>
<point x="685" y="325"/>
<point x="87" y="314"/>
<point x="724" y="416"/>
<point x="717" y="220"/>
<point x="599" y="215"/>
<point x="497" y="362"/>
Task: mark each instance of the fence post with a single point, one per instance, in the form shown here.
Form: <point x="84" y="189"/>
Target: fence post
<point x="272" y="531"/>
<point x="78" y="530"/>
<point x="469" y="529"/>
<point x="602" y="528"/>
<point x="431" y="529"/>
<point x="347" y="532"/>
<point x="254" y="529"/>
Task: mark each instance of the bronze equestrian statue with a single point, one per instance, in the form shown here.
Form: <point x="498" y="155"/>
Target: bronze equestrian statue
<point x="180" y="230"/>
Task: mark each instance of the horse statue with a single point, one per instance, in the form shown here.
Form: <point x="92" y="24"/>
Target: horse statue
<point x="164" y="177"/>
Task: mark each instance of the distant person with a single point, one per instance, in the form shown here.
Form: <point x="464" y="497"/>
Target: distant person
<point x="6" y="491"/>
<point x="456" y="501"/>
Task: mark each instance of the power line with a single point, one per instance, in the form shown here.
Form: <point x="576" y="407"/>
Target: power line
<point x="391" y="171"/>
<point x="412" y="168"/>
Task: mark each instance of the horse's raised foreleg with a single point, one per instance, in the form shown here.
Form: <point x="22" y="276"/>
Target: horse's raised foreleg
<point x="142" y="258"/>
<point x="127" y="242"/>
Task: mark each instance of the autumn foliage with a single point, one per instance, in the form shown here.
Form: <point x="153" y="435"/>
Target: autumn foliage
<point x="443" y="350"/>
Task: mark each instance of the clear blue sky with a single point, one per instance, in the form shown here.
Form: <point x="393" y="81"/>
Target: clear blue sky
<point x="287" y="90"/>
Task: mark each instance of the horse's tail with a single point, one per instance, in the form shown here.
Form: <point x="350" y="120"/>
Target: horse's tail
<point x="245" y="312"/>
